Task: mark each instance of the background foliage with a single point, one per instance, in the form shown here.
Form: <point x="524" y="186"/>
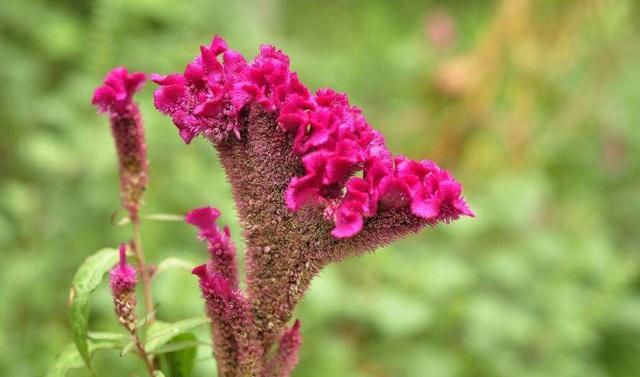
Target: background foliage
<point x="533" y="104"/>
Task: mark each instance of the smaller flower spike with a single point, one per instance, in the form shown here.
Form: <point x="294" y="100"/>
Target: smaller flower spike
<point x="235" y="344"/>
<point x="115" y="97"/>
<point x="286" y="358"/>
<point x="123" y="287"/>
<point x="221" y="248"/>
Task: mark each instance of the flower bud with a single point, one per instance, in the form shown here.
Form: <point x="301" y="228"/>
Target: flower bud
<point x="123" y="288"/>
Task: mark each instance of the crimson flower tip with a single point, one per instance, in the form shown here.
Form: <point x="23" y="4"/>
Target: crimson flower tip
<point x="123" y="276"/>
<point x="200" y="271"/>
<point x="221" y="249"/>
<point x="203" y="218"/>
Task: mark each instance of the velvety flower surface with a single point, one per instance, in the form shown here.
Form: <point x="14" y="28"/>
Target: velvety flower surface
<point x="234" y="336"/>
<point x="115" y="97"/>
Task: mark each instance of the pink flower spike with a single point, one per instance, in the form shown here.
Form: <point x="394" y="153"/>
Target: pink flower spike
<point x="115" y="96"/>
<point x="222" y="252"/>
<point x="123" y="282"/>
<point x="233" y="332"/>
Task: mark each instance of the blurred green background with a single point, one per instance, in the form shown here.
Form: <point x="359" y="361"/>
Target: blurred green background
<point x="533" y="104"/>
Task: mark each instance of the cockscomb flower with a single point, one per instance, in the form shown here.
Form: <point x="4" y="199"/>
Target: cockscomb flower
<point x="313" y="182"/>
<point x="123" y="282"/>
<point x="221" y="249"/>
<point x="115" y="97"/>
<point x="234" y="336"/>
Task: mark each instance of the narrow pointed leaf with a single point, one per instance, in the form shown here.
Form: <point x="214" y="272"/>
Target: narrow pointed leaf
<point x="177" y="346"/>
<point x="107" y="340"/>
<point x="70" y="358"/>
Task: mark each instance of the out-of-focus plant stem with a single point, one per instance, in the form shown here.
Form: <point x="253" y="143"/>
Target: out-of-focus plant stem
<point x="144" y="270"/>
<point x="148" y="360"/>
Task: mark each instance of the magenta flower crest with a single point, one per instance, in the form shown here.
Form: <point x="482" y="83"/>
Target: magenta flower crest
<point x="198" y="100"/>
<point x="331" y="138"/>
<point x="115" y="97"/>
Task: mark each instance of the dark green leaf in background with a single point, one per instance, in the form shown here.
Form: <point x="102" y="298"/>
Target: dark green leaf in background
<point x="70" y="358"/>
<point x="179" y="363"/>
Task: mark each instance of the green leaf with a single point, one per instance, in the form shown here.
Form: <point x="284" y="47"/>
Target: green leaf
<point x="161" y="332"/>
<point x="85" y="281"/>
<point x="107" y="340"/>
<point x="179" y="363"/>
<point x="70" y="358"/>
<point x="127" y="348"/>
<point x="113" y="336"/>
<point x="177" y="346"/>
<point x="144" y="320"/>
<point x="158" y="374"/>
<point x="172" y="263"/>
